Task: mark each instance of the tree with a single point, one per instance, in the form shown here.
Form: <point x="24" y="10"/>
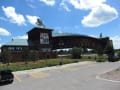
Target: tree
<point x="109" y="49"/>
<point x="5" y="56"/>
<point x="34" y="55"/>
<point x="25" y="55"/>
<point x="76" y="53"/>
<point x="100" y="51"/>
<point x="84" y="50"/>
<point x="118" y="54"/>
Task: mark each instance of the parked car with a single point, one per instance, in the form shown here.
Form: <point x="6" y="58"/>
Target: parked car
<point x="113" y="58"/>
<point x="6" y="76"/>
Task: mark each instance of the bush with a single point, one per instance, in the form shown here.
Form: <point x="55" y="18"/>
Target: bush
<point x="76" y="53"/>
<point x="101" y="59"/>
<point x="118" y="54"/>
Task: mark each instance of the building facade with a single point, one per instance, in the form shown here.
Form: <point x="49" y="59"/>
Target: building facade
<point x="44" y="41"/>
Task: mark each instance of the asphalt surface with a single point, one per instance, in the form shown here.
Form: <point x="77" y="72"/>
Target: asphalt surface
<point x="85" y="76"/>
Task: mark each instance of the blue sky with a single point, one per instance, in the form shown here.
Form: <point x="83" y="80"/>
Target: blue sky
<point x="86" y="17"/>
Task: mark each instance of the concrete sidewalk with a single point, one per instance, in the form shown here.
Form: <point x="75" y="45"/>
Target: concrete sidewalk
<point x="52" y="68"/>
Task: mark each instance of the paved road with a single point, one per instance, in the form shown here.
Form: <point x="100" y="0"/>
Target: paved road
<point x="71" y="77"/>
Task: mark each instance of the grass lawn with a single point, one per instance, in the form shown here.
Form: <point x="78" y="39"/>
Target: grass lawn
<point x="18" y="66"/>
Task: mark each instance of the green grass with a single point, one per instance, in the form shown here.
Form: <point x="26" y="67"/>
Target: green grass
<point x="47" y="63"/>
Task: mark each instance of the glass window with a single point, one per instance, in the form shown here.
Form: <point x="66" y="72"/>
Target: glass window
<point x="11" y="48"/>
<point x="44" y="38"/>
<point x="18" y="48"/>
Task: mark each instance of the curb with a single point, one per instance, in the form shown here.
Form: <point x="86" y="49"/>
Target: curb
<point x="109" y="80"/>
<point x="51" y="68"/>
<point x="102" y="78"/>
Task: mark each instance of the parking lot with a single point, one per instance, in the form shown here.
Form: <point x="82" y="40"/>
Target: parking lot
<point x="68" y="77"/>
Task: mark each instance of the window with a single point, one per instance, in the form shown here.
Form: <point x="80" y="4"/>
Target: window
<point x="18" y="48"/>
<point x="44" y="38"/>
<point x="11" y="48"/>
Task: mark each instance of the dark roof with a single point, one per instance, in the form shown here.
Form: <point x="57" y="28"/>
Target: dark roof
<point x="24" y="42"/>
<point x="39" y="28"/>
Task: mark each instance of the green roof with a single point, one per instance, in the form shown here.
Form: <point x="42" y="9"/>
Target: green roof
<point x="17" y="42"/>
<point x="65" y="34"/>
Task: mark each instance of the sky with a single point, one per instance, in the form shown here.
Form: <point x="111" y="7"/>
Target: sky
<point x="85" y="17"/>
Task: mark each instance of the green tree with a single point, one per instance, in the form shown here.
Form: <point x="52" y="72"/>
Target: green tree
<point x="25" y="55"/>
<point x="6" y="57"/>
<point x="76" y="53"/>
<point x="100" y="51"/>
<point x="34" y="55"/>
<point x="118" y="54"/>
<point x="84" y="50"/>
<point x="109" y="49"/>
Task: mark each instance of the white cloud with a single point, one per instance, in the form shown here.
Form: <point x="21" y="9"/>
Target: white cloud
<point x="1" y="45"/>
<point x="21" y="37"/>
<point x="64" y="6"/>
<point x="32" y="19"/>
<point x="58" y="29"/>
<point x="48" y="2"/>
<point x="4" y="32"/>
<point x="93" y="36"/>
<point x="116" y="42"/>
<point x="100" y="15"/>
<point x="85" y="4"/>
<point x="13" y="16"/>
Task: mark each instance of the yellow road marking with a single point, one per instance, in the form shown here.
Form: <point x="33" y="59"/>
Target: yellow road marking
<point x="17" y="78"/>
<point x="77" y="68"/>
<point x="38" y="74"/>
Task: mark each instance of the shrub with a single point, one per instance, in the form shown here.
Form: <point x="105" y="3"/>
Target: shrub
<point x="118" y="54"/>
<point x="76" y="53"/>
<point x="101" y="59"/>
